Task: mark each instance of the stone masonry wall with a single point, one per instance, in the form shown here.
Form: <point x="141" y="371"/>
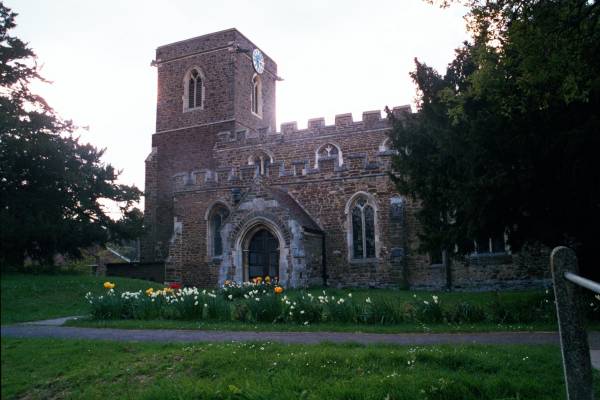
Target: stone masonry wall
<point x="184" y="140"/>
<point x="203" y="157"/>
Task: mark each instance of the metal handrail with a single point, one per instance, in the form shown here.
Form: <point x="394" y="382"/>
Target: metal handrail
<point x="584" y="282"/>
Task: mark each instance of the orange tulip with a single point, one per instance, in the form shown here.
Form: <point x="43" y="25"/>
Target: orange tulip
<point x="109" y="285"/>
<point x="278" y="290"/>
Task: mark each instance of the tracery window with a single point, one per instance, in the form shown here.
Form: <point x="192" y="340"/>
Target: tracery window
<point x="193" y="90"/>
<point x="362" y="218"/>
<point x="329" y="151"/>
<point x="215" y="222"/>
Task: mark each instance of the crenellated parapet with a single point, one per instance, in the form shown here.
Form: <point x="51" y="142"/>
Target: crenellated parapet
<point x="282" y="172"/>
<point x="343" y="124"/>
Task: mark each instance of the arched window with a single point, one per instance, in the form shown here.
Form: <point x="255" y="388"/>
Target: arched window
<point x="385" y="145"/>
<point x="193" y="97"/>
<point x="362" y="221"/>
<point x="256" y="100"/>
<point x="262" y="160"/>
<point x="386" y="148"/>
<point x="216" y="215"/>
<point x="329" y="151"/>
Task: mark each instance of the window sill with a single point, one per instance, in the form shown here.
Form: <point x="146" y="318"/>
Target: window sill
<point x="185" y="110"/>
<point x="489" y="258"/>
<point x="365" y="260"/>
<point x="256" y="115"/>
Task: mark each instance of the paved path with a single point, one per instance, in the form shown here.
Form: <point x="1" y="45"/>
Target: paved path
<point x="173" y="335"/>
<point x="53" y="322"/>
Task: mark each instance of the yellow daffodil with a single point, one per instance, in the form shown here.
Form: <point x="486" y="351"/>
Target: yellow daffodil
<point x="109" y="285"/>
<point x="149" y="291"/>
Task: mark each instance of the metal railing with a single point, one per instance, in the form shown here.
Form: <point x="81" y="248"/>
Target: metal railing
<point x="574" y="345"/>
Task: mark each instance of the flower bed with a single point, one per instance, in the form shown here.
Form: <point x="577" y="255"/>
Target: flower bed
<point x="260" y="301"/>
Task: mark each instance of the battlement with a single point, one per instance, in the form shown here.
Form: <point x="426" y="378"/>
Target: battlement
<point x="343" y="123"/>
<point x="284" y="172"/>
<point x="370" y="119"/>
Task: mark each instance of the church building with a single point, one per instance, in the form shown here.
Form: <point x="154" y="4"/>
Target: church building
<point x="230" y="196"/>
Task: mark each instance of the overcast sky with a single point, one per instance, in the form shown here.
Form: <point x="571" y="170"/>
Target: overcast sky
<point x="335" y="57"/>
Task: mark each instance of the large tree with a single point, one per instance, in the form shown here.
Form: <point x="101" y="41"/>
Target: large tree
<point x="53" y="188"/>
<point x="508" y="139"/>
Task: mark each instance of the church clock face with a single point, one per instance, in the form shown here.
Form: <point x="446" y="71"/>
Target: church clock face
<point x="258" y="61"/>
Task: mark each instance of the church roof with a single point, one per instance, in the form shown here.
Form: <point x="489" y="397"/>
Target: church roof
<point x="295" y="209"/>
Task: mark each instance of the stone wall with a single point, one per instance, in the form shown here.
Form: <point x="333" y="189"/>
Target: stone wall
<point x="148" y="271"/>
<point x="213" y="156"/>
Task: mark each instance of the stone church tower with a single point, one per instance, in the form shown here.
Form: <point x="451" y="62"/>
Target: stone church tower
<point x="230" y="197"/>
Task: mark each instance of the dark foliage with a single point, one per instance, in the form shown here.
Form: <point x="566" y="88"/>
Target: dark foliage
<point x="51" y="185"/>
<point x="508" y="139"/>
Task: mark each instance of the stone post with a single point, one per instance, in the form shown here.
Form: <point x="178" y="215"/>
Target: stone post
<point x="573" y="337"/>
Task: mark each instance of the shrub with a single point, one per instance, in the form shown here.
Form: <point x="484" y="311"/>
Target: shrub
<point x="428" y="311"/>
<point x="342" y="309"/>
<point x="464" y="312"/>
<point x="536" y="308"/>
<point x="382" y="311"/>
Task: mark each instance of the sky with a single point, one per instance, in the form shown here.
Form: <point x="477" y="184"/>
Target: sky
<point x="335" y="57"/>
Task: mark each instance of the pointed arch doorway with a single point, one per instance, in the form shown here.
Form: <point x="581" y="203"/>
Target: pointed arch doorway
<point x="263" y="255"/>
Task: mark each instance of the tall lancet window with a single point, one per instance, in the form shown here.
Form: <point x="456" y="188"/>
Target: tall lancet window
<point x="256" y="95"/>
<point x="215" y="223"/>
<point x="363" y="229"/>
<point x="361" y="210"/>
<point x="194" y="90"/>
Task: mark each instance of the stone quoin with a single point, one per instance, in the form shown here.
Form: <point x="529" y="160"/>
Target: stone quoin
<point x="228" y="196"/>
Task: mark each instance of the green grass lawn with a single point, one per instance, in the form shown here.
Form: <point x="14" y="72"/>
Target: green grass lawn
<point x="50" y="368"/>
<point x="28" y="297"/>
<point x="323" y="327"/>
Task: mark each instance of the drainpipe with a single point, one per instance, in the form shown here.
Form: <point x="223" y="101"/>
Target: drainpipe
<point x="323" y="252"/>
<point x="446" y="264"/>
<point x="324" y="258"/>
